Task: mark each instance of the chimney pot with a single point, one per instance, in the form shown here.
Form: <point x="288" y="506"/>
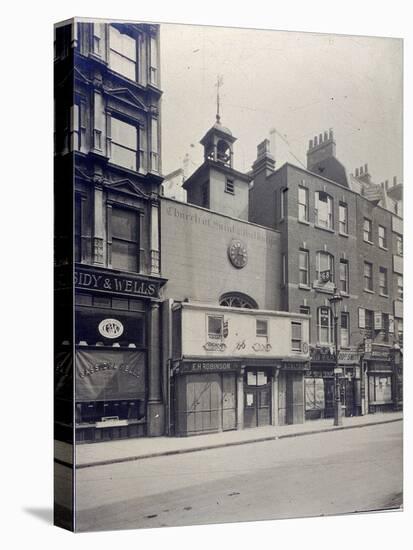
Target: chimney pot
<point x="386" y="183"/>
<point x="310" y="145"/>
<point x="325" y="136"/>
<point x="331" y="133"/>
<point x="320" y="138"/>
<point x="315" y="141"/>
<point x="361" y="170"/>
<point x="394" y="180"/>
<point x="357" y="172"/>
<point x="366" y="169"/>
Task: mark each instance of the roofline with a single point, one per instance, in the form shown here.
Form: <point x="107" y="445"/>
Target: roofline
<point x="286" y="164"/>
<point x="244" y="311"/>
<point x="212" y="164"/>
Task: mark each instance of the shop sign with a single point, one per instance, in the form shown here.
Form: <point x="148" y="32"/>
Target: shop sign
<point x="207" y="366"/>
<point x="348" y="357"/>
<point x="383" y="355"/>
<point x="295" y="365"/>
<point x="367" y="345"/>
<point x="325" y="373"/>
<point x="110" y="328"/>
<point x="322" y="354"/>
<point x="90" y="279"/>
<point x="338" y="370"/>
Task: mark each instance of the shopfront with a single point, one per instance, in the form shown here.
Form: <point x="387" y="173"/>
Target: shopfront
<point x="319" y="384"/>
<point x="117" y="367"/>
<point x="236" y="368"/>
<point x="381" y="381"/>
<point x="205" y="396"/>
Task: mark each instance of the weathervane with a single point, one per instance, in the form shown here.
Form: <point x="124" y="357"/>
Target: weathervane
<point x="220" y="81"/>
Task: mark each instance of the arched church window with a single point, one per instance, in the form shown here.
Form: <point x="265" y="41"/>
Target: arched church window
<point x="237" y="299"/>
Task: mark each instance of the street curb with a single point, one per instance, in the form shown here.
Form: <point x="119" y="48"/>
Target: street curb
<point x="229" y="444"/>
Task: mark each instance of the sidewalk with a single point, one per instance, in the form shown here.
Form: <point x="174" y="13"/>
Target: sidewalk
<point x="99" y="454"/>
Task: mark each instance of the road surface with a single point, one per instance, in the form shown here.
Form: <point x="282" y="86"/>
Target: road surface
<point x="323" y="474"/>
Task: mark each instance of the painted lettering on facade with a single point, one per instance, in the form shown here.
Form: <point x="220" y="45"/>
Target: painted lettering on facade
<point x="115" y="283"/>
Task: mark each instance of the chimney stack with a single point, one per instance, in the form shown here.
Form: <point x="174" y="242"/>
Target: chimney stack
<point x="394" y="180"/>
<point x="265" y="160"/>
<point x="363" y="174"/>
<point x="320" y="148"/>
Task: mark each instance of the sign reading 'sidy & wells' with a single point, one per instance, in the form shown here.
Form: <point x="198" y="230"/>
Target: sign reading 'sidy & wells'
<point x="92" y="279"/>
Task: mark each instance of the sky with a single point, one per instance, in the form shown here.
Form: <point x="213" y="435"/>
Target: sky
<point x="284" y="86"/>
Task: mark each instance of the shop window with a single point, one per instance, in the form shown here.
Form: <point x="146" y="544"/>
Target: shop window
<point x="345" y="330"/>
<point x="323" y="210"/>
<point x="304" y="267"/>
<point x="383" y="282"/>
<point x="296" y="336"/>
<point x="343" y="218"/>
<point x="382" y="237"/>
<point x="122" y="53"/>
<point x="324" y="267"/>
<point x="215" y="327"/>
<point x="303" y="204"/>
<point x="324" y="325"/>
<point x="367" y="230"/>
<point x="380" y="389"/>
<point x="314" y="394"/>
<point x="262" y="328"/>
<point x="368" y="276"/>
<point x="94" y="411"/>
<point x="344" y="279"/>
<point x="237" y="299"/>
<point x="125" y="239"/>
<point x="124" y="144"/>
<point x="256" y="378"/>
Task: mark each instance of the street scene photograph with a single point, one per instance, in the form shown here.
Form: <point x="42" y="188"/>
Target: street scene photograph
<point x="228" y="340"/>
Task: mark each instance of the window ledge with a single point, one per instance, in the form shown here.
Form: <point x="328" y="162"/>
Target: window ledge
<point x="304" y="287"/>
<point x="368" y="242"/>
<point x="328" y="229"/>
<point x="369" y="291"/>
<point x="383" y="295"/>
<point x="384" y="248"/>
<point x="229" y="192"/>
<point x="304" y="222"/>
<point x="344" y="294"/>
<point x="344" y="234"/>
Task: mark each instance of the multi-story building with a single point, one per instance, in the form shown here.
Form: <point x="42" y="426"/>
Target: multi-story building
<point x="338" y="231"/>
<point x="108" y="160"/>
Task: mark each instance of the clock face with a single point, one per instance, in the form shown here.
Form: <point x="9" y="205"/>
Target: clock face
<point x="237" y="252"/>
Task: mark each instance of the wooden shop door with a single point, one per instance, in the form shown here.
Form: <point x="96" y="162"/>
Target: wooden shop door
<point x="229" y="414"/>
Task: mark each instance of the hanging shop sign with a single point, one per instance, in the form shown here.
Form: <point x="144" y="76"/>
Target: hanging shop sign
<point x="103" y="281"/>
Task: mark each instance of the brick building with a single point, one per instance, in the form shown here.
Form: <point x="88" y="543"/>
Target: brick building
<point x="338" y="231"/>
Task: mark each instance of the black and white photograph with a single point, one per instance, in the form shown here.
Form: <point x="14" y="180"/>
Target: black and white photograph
<point x="229" y="281"/>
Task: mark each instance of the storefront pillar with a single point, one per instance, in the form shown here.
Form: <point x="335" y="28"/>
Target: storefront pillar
<point x="274" y="404"/>
<point x="240" y="398"/>
<point x="156" y="412"/>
